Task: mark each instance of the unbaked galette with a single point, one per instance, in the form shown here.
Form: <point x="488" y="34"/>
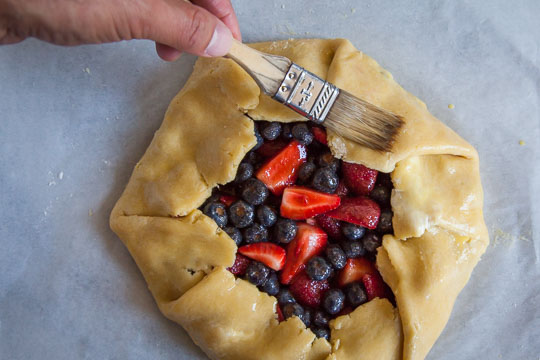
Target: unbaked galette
<point x="267" y="237"/>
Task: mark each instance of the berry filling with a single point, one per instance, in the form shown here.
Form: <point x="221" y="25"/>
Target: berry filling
<point x="307" y="225"/>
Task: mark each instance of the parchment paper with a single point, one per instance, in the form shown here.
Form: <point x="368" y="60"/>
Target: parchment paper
<point x="74" y="121"/>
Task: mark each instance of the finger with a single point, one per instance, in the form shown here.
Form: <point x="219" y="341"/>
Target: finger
<point x="9" y="39"/>
<point x="7" y="36"/>
<point x="187" y="27"/>
<point x="223" y="9"/>
<point x="167" y="53"/>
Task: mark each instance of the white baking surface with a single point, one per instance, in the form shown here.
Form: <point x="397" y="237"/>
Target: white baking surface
<point x="74" y="121"/>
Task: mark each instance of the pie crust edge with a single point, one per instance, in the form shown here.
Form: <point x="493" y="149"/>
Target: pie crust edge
<point x="437" y="202"/>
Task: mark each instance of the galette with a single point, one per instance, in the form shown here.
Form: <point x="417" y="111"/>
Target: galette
<point x="268" y="237"/>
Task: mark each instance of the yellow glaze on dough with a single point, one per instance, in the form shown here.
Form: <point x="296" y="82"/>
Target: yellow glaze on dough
<point x="203" y="138"/>
<point x="420" y="197"/>
<point x="437" y="202"/>
<point x="231" y="319"/>
<point x="174" y="253"/>
<point x="426" y="275"/>
<point x="371" y="332"/>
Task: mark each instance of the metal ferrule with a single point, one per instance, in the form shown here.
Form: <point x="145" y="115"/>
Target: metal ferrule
<point x="306" y="93"/>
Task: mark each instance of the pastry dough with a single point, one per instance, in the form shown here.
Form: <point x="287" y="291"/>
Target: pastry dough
<point x="437" y="202"/>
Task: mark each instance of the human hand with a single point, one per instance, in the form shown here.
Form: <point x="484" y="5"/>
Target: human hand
<point x="202" y="27"/>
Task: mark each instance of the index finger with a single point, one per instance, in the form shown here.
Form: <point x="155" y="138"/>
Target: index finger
<point x="222" y="9"/>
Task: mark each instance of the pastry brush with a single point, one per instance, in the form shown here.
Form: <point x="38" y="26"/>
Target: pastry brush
<point x="317" y="99"/>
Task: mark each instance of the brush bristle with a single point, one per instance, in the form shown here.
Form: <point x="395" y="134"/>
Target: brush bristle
<point x="362" y="122"/>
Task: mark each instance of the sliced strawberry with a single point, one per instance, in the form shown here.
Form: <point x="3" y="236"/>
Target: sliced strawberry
<point x="359" y="210"/>
<point x="311" y="221"/>
<point x="300" y="202"/>
<point x="330" y="225"/>
<point x="306" y="291"/>
<point x="282" y="169"/>
<point x="354" y="270"/>
<point x="375" y="286"/>
<point x="271" y="148"/>
<point x="280" y="316"/>
<point x="269" y="254"/>
<point x="240" y="265"/>
<point x="360" y="179"/>
<point x="342" y="189"/>
<point x="320" y="135"/>
<point x="310" y="241"/>
<point x="227" y="200"/>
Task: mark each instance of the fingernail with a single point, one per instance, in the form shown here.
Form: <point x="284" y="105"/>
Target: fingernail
<point x="221" y="41"/>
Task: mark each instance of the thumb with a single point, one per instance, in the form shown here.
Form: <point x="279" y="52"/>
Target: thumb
<point x="189" y="28"/>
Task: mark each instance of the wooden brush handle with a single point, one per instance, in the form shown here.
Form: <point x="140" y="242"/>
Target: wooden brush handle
<point x="267" y="70"/>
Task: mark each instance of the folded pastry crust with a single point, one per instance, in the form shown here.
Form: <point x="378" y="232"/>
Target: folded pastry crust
<point x="437" y="202"/>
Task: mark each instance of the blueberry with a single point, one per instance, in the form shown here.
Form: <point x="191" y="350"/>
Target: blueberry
<point x="255" y="233"/>
<point x="305" y="172"/>
<point x="381" y="194"/>
<point x="352" y="232"/>
<point x="286" y="132"/>
<point x="356" y="294"/>
<point x="241" y="214"/>
<point x="257" y="273"/>
<point x="271" y="131"/>
<point x="285" y="230"/>
<point x="258" y="136"/>
<point x="234" y="234"/>
<point x="333" y="301"/>
<point x="328" y="160"/>
<point x="320" y="319"/>
<point x="317" y="148"/>
<point x="371" y="241"/>
<point x="385" y="222"/>
<point x="302" y="134"/>
<point x="336" y="256"/>
<point x="353" y="249"/>
<point x="284" y="297"/>
<point x="293" y="309"/>
<point x="384" y="179"/>
<point x="245" y="171"/>
<point x="325" y="180"/>
<point x="217" y="212"/>
<point x="213" y="198"/>
<point x="254" y="191"/>
<point x="271" y="286"/>
<point x="266" y="216"/>
<point x="306" y="318"/>
<point x="318" y="269"/>
<point x="321" y="332"/>
<point x="332" y="273"/>
<point x="253" y="158"/>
